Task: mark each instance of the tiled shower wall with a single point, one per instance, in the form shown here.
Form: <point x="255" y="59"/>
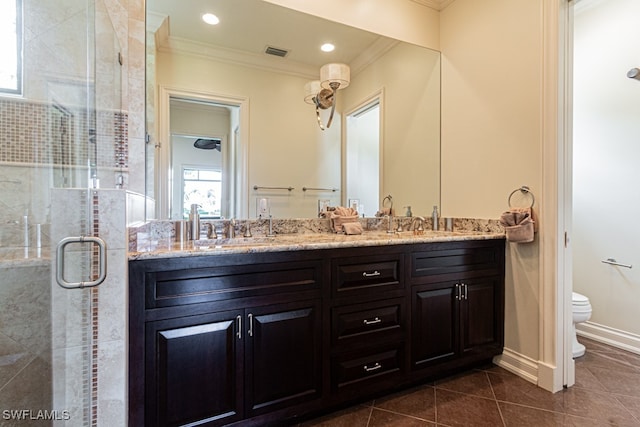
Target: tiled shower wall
<point x="43" y="133"/>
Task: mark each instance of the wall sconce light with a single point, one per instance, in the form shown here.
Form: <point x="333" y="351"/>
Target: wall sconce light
<point x="322" y="93"/>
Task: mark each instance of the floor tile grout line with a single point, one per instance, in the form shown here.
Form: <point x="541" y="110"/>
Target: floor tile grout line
<point x="495" y="399"/>
<point x="400" y="413"/>
<point x="370" y="413"/>
<point x="637" y="419"/>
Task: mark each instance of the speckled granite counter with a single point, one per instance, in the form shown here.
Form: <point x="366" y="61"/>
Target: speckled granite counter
<point x="149" y="243"/>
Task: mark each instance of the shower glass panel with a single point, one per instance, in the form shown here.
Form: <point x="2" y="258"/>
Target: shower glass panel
<point x="59" y="141"/>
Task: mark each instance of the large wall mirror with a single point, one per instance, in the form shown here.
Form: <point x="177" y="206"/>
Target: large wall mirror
<point x="229" y="128"/>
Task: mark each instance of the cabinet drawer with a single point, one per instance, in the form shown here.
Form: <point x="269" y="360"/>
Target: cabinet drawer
<point x="367" y="322"/>
<point x="349" y="370"/>
<point x="456" y="260"/>
<point x="358" y="275"/>
<point x="180" y="287"/>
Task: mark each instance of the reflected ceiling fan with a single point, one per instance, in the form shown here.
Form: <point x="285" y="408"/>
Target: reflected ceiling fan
<point x="207" y="144"/>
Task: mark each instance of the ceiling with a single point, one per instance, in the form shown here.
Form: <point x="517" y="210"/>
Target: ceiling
<point x="249" y="26"/>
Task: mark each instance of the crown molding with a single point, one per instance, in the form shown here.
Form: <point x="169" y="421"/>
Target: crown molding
<point x="176" y="45"/>
<point x="253" y="60"/>
<point x="434" y="4"/>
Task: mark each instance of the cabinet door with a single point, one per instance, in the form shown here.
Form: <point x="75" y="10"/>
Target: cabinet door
<point x="283" y="356"/>
<point x="481" y="307"/>
<point x="194" y="370"/>
<point x="435" y="324"/>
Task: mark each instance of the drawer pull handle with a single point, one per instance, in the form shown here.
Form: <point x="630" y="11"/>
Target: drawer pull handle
<point x="373" y="368"/>
<point x="374" y="274"/>
<point x="372" y="322"/>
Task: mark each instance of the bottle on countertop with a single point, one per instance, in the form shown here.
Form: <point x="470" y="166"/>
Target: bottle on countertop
<point x="434" y="217"/>
<point x="409" y="213"/>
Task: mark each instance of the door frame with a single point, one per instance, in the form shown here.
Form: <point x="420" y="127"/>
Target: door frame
<point x="556" y="368"/>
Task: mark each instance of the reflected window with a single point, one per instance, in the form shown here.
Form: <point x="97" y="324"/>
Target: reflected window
<point x="11" y="46"/>
<point x="203" y="187"/>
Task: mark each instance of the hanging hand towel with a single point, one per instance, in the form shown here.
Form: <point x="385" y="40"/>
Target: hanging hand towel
<point x="519" y="225"/>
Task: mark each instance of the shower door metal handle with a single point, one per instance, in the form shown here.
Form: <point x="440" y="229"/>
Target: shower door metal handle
<point x="102" y="262"/>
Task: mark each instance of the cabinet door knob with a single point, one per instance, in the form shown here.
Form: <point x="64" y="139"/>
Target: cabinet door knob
<point x="372" y="322"/>
<point x="466" y="289"/>
<point x="373" y="274"/>
<point x="373" y="368"/>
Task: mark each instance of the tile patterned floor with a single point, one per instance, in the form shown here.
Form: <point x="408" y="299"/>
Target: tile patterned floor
<point x="606" y="393"/>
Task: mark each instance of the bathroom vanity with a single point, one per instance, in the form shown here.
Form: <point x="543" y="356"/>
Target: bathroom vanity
<point x="279" y="331"/>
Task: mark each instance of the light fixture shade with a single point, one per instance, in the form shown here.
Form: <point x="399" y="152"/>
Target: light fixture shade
<point x="335" y="72"/>
<point x="311" y="89"/>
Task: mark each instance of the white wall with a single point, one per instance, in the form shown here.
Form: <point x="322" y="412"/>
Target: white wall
<point x="404" y="20"/>
<point x="410" y="77"/>
<point x="492" y="134"/>
<point x="606" y="151"/>
<point x="285" y="146"/>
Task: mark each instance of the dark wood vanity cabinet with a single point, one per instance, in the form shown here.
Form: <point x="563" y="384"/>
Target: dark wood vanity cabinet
<point x="457" y="304"/>
<point x="215" y="340"/>
<point x="369" y="321"/>
<point x="262" y="338"/>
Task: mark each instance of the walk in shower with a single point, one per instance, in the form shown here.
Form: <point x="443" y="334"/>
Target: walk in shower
<point x="63" y="141"/>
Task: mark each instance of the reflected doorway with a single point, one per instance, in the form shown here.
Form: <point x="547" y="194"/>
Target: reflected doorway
<point x="362" y="155"/>
<point x="205" y="157"/>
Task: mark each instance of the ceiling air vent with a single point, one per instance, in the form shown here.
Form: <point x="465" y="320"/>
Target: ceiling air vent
<point x="270" y="50"/>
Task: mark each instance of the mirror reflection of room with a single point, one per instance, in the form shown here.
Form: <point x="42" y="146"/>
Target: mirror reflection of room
<point x="281" y="144"/>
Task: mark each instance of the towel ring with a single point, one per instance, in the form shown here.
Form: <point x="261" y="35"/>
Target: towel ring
<point x="524" y="189"/>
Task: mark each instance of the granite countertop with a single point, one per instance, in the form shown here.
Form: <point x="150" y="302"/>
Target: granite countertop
<point x="168" y="248"/>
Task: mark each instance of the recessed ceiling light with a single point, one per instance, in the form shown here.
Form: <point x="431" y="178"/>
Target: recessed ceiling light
<point x="210" y="19"/>
<point x="327" y="47"/>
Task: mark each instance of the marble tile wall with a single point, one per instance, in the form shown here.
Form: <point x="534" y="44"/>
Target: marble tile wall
<point x="89" y="326"/>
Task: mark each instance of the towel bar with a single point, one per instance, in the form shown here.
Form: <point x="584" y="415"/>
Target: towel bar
<point x="319" y="189"/>
<point x="612" y="261"/>
<point x="255" y="187"/>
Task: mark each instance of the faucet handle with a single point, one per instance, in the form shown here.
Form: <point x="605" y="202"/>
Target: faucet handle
<point x="247" y="230"/>
<point x="211" y="231"/>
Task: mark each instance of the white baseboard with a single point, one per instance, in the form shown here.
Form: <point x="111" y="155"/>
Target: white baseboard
<point x="518" y="364"/>
<point x="544" y="376"/>
<point x="611" y="336"/>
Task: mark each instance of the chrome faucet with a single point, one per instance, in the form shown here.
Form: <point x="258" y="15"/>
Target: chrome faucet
<point x="420" y="229"/>
<point x="270" y="227"/>
<point x="231" y="228"/>
<point x="390" y="216"/>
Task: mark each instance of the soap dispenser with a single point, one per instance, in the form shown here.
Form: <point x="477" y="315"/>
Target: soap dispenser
<point x="194" y="221"/>
<point x="409" y="213"/>
<point x="434" y="218"/>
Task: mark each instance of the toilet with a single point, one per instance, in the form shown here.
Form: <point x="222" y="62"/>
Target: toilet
<point x="581" y="308"/>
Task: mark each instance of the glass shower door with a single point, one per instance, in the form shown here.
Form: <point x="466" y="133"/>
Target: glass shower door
<point x="59" y="143"/>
